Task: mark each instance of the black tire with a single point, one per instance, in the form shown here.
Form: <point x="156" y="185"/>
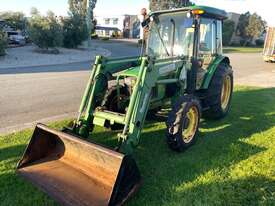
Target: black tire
<point x="109" y="102"/>
<point x="152" y="114"/>
<point x="213" y="100"/>
<point x="178" y="121"/>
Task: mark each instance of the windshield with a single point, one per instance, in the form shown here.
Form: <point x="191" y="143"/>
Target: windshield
<point x="171" y="35"/>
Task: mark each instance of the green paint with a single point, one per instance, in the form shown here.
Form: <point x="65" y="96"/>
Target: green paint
<point x="211" y="71"/>
<point x="154" y="81"/>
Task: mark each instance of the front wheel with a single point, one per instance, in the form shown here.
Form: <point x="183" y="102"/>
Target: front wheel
<point x="183" y="123"/>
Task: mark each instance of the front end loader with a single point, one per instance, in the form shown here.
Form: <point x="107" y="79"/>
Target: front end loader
<point x="182" y="66"/>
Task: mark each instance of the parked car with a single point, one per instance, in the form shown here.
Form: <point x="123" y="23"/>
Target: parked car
<point x="16" y="37"/>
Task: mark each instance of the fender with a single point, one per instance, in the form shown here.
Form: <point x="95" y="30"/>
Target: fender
<point x="212" y="69"/>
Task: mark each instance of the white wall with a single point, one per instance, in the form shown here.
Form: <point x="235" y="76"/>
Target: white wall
<point x="101" y="21"/>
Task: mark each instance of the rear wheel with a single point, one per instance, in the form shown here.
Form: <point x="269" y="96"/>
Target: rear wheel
<point x="183" y="123"/>
<point x="219" y="94"/>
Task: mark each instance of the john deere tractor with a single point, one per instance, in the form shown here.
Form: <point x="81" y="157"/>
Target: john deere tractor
<point x="183" y="66"/>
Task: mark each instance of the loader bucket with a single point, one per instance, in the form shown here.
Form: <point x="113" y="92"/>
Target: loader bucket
<point x="75" y="172"/>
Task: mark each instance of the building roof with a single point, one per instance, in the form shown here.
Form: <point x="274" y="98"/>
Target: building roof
<point x="107" y="28"/>
<point x="209" y="11"/>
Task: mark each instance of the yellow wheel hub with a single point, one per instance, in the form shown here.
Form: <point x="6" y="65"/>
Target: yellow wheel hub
<point x="226" y="92"/>
<point x="193" y="120"/>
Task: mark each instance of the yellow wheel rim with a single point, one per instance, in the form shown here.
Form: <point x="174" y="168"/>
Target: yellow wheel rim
<point x="193" y="120"/>
<point x="226" y="92"/>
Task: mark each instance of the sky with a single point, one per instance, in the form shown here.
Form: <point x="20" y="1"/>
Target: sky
<point x="115" y="7"/>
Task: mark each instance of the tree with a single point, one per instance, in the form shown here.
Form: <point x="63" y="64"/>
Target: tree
<point x="156" y="5"/>
<point x="74" y="31"/>
<point x="45" y="31"/>
<point x="78" y="7"/>
<point x="242" y="24"/>
<point x="255" y="27"/>
<point x="250" y="27"/>
<point x="3" y="43"/>
<point x="228" y="31"/>
<point x="16" y="20"/>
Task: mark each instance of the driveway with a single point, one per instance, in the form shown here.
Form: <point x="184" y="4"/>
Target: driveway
<point x="43" y="94"/>
<point x="251" y="70"/>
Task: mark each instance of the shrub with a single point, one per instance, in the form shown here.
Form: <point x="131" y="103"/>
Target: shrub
<point x="74" y="30"/>
<point x="3" y="43"/>
<point x="45" y="31"/>
<point x="94" y="36"/>
<point x="115" y="34"/>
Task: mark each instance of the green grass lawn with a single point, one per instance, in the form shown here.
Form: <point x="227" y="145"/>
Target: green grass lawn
<point x="232" y="163"/>
<point x="242" y="49"/>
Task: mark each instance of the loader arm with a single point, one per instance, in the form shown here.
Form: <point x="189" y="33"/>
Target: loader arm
<point x="147" y="73"/>
<point x="97" y="85"/>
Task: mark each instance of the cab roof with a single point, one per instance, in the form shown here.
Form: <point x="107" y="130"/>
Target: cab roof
<point x="210" y="12"/>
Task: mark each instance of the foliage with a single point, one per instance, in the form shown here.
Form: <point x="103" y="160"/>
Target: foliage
<point x="45" y="31"/>
<point x="232" y="163"/>
<point x="242" y="24"/>
<point x="250" y="27"/>
<point x="78" y="7"/>
<point x="74" y="30"/>
<point x="3" y="43"/>
<point x="255" y="26"/>
<point x="94" y="36"/>
<point x="115" y="34"/>
<point x="16" y="20"/>
<point x="228" y="31"/>
<point x="156" y="5"/>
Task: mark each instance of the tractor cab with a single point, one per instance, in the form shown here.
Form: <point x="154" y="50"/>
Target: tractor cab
<point x="192" y="32"/>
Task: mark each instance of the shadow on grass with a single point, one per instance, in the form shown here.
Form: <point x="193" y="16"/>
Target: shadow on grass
<point x="220" y="145"/>
<point x="172" y="178"/>
<point x="11" y="152"/>
<point x="241" y="191"/>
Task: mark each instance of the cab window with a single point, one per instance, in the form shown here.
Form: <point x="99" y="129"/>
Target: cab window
<point x="207" y="36"/>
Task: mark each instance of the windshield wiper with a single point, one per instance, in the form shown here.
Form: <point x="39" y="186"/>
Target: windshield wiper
<point x="161" y="40"/>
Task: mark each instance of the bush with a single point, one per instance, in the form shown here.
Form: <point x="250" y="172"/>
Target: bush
<point x="3" y="43"/>
<point x="94" y="36"/>
<point x="45" y="31"/>
<point x="74" y="30"/>
<point x="115" y="34"/>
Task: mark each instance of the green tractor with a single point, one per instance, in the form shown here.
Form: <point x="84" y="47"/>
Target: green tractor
<point x="182" y="66"/>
